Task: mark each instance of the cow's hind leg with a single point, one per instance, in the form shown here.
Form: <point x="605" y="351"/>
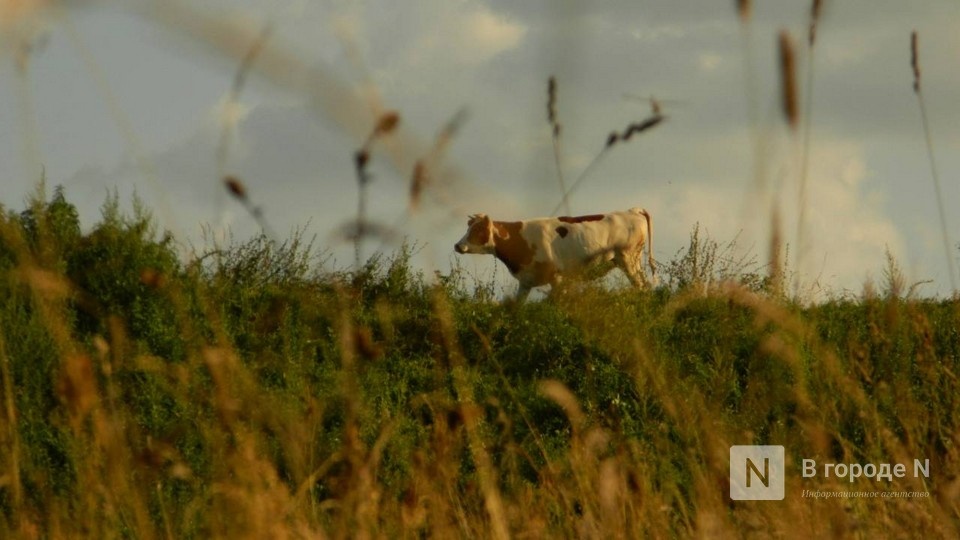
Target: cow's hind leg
<point x="522" y="292"/>
<point x="631" y="265"/>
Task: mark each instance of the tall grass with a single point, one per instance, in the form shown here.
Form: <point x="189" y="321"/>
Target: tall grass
<point x="255" y="393"/>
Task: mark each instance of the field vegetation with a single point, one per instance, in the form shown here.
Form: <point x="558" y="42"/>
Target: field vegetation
<point x="253" y="392"/>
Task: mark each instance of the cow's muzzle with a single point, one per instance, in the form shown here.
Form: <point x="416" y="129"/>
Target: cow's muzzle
<point x="460" y="248"/>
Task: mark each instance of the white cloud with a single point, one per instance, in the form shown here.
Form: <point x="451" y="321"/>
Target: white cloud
<point x="490" y="34"/>
<point x="470" y="35"/>
<point x="848" y="225"/>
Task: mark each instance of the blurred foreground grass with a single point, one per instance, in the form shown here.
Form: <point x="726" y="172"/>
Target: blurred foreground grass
<point x="253" y="393"/>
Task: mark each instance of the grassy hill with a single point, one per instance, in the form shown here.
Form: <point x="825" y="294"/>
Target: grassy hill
<point x="253" y="393"/>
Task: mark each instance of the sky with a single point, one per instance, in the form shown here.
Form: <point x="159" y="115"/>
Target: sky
<point x="135" y="97"/>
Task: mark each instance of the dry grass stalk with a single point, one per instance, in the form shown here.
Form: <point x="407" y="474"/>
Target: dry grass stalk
<point x="915" y="65"/>
<point x="238" y="190"/>
<point x="640" y="127"/>
<point x="788" y="80"/>
<point x="751" y="91"/>
<point x="744" y="10"/>
<point x="656" y="117"/>
<point x="11" y="438"/>
<point x="552" y="105"/>
<point x="656" y="105"/>
<point x="386" y="124"/>
<point x="915" y="61"/>
<point x="493" y="500"/>
<point x="555" y="133"/>
<point x="418" y="181"/>
<point x="815" y="11"/>
<point x="424" y="168"/>
<point x="228" y="114"/>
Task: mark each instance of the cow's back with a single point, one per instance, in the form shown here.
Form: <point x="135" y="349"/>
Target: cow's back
<point x="575" y="244"/>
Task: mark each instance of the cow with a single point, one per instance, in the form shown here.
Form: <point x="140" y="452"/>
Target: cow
<point x="545" y="251"/>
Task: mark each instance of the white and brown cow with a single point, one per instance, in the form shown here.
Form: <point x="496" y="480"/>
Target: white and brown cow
<point x="546" y="250"/>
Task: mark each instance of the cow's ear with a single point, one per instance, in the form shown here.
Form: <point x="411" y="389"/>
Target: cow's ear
<point x="473" y="218"/>
<point x="501" y="232"/>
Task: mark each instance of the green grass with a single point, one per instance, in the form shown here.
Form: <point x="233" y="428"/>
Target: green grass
<point x="254" y="393"/>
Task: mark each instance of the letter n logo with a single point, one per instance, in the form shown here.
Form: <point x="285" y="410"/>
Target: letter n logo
<point x="756" y="473"/>
<point x="753" y="470"/>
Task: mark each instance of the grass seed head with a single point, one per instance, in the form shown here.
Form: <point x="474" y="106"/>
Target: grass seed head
<point x="552" y="101"/>
<point x="387" y="123"/>
<point x="639" y="127"/>
<point x="815" y="10"/>
<point x="788" y="80"/>
<point x="612" y="139"/>
<point x="417" y="183"/>
<point x="915" y="60"/>
<point x="646" y="124"/>
<point x="235" y="187"/>
<point x="743" y="10"/>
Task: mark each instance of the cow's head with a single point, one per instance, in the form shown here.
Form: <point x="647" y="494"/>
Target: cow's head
<point x="479" y="237"/>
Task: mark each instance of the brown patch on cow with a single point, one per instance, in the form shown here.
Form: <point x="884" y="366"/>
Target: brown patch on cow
<point x="510" y="246"/>
<point x="479" y="230"/>
<point x="581" y="219"/>
<point x="563" y="231"/>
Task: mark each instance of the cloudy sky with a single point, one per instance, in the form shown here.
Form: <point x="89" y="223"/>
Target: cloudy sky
<point x="133" y="97"/>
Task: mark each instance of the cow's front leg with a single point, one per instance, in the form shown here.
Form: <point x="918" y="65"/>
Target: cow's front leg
<point x="522" y="292"/>
<point x="557" y="285"/>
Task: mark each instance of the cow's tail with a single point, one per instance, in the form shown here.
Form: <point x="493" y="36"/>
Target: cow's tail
<point x="650" y="261"/>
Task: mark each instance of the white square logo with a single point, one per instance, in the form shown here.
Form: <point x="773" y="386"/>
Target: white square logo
<point x="756" y="473"/>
